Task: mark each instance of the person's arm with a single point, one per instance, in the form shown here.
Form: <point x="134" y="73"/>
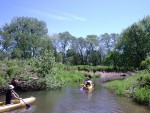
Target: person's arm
<point x="15" y="95"/>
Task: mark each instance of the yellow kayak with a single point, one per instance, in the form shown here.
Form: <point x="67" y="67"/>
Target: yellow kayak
<point x="16" y="104"/>
<point x="84" y="87"/>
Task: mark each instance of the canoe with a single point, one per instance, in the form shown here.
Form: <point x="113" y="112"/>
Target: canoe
<point x="16" y="104"/>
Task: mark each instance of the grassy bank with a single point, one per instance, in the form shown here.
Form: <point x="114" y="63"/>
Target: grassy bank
<point x="136" y="87"/>
<point x="31" y="77"/>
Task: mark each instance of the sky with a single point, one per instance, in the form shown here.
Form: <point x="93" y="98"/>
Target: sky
<point x="79" y="17"/>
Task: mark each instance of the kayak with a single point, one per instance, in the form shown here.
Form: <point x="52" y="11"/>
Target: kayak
<point x="88" y="88"/>
<point x="84" y="87"/>
<point x="16" y="104"/>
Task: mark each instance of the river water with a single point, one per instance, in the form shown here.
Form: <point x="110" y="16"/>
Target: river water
<point x="71" y="99"/>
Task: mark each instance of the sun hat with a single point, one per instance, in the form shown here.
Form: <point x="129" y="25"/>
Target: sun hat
<point x="11" y="87"/>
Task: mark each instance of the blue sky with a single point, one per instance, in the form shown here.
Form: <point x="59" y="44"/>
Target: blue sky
<point x="79" y="17"/>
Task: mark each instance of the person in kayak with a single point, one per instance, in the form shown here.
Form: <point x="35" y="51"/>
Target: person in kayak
<point x="88" y="82"/>
<point x="11" y="94"/>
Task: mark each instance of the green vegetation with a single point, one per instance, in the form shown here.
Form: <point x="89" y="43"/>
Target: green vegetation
<point x="38" y="74"/>
<point x="35" y="76"/>
<point x="43" y="62"/>
<point x="25" y="38"/>
<point x="137" y="86"/>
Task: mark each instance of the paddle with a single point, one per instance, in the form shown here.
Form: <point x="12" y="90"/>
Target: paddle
<point x="27" y="105"/>
<point x="82" y="86"/>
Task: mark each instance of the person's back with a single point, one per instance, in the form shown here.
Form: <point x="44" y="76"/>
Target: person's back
<point x="8" y="96"/>
<point x="88" y="81"/>
<point x="11" y="94"/>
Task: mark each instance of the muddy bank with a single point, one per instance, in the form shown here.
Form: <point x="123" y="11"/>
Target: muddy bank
<point x="108" y="76"/>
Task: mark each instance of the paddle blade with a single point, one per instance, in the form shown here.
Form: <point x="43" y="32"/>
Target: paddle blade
<point x="81" y="88"/>
<point x="28" y="106"/>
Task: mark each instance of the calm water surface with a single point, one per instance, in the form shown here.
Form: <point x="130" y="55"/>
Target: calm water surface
<point x="71" y="99"/>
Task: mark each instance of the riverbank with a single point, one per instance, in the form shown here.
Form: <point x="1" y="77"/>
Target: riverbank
<point x="136" y="87"/>
<point x="109" y="76"/>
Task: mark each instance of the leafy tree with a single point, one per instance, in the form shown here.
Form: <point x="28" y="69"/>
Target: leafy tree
<point x="114" y="59"/>
<point x="46" y="44"/>
<point x="71" y="57"/>
<point x="81" y="49"/>
<point x="105" y="40"/>
<point x="133" y="44"/>
<point x="91" y="45"/>
<point x="23" y="36"/>
<point x="107" y="43"/>
<point x="64" y="41"/>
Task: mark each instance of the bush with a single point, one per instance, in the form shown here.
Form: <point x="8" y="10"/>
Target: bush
<point x="146" y="64"/>
<point x="45" y="66"/>
<point x="3" y="84"/>
<point x="142" y="95"/>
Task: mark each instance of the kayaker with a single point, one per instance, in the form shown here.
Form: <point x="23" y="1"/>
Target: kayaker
<point x="88" y="81"/>
<point x="11" y="94"/>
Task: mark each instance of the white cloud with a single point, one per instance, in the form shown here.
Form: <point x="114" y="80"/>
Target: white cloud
<point x="79" y="18"/>
<point x="74" y="17"/>
<point x="59" y="16"/>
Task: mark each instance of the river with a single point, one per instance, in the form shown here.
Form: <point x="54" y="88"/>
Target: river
<point x="71" y="99"/>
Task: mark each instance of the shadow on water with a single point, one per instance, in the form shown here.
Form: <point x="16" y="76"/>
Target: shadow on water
<point x="71" y="99"/>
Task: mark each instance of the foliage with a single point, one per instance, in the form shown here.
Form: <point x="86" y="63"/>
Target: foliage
<point x="121" y="86"/>
<point x="133" y="43"/>
<point x="71" y="76"/>
<point x="22" y="37"/>
<point x="3" y="84"/>
<point x="26" y="37"/>
<point x="142" y="95"/>
<point x="45" y="66"/>
<point x="146" y="64"/>
<point x="64" y="40"/>
<point x="136" y="86"/>
<point x="44" y="63"/>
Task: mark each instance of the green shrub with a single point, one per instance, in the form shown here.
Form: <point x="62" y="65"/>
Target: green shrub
<point x="3" y="84"/>
<point x="12" y="70"/>
<point x="136" y="86"/>
<point x="142" y="95"/>
<point x="146" y="64"/>
<point x="45" y="66"/>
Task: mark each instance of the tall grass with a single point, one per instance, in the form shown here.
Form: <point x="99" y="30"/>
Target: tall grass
<point x="137" y="87"/>
<point x="71" y="75"/>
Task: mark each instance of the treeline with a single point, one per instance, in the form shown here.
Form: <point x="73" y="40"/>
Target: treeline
<point x="25" y="38"/>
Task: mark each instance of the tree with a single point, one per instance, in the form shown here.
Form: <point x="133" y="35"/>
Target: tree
<point x="114" y="59"/>
<point x="81" y="49"/>
<point x="133" y="44"/>
<point x="105" y="40"/>
<point x="64" y="41"/>
<point x="91" y="45"/>
<point x="23" y="35"/>
<point x="46" y="44"/>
